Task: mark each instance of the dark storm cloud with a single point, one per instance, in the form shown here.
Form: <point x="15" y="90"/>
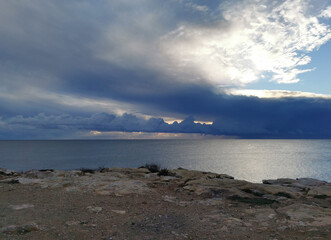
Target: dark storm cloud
<point x="102" y="122"/>
<point x="245" y="117"/>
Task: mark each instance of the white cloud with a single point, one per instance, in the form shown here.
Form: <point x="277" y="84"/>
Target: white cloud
<point x="326" y="13"/>
<point x="275" y="93"/>
<point x="201" y="8"/>
<point x="252" y="38"/>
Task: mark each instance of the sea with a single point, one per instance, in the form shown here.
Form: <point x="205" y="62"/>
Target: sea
<point x="251" y="160"/>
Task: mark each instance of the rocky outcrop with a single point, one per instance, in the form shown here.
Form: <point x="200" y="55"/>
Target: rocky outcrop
<point x="282" y="204"/>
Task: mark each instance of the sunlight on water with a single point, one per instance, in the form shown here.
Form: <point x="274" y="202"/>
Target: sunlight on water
<point x="251" y="160"/>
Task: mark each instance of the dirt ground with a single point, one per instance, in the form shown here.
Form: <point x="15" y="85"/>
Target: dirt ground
<point x="28" y="211"/>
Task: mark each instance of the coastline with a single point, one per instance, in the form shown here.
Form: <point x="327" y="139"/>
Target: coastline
<point x="129" y="203"/>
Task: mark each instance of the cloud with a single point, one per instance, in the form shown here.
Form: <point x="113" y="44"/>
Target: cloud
<point x="123" y="43"/>
<point x="63" y="63"/>
<point x="240" y="116"/>
<point x="249" y="39"/>
<point x="326" y="13"/>
<point x="97" y="124"/>
<point x="275" y="93"/>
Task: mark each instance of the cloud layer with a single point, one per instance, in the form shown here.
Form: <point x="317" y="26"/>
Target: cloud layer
<point x="237" y="116"/>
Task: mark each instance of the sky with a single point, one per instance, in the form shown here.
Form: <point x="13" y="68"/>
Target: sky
<point x="106" y="69"/>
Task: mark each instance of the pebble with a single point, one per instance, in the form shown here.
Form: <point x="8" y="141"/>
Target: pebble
<point x="119" y="211"/>
<point x="93" y="209"/>
<point x="22" y="206"/>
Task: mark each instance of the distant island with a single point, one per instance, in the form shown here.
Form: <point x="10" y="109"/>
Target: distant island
<point x="154" y="203"/>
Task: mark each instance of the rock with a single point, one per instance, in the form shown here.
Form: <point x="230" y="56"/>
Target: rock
<point x="224" y="229"/>
<point x="6" y="172"/>
<point x="22" y="206"/>
<point x="320" y="191"/>
<point x="171" y="199"/>
<point x="24" y="180"/>
<point x="122" y="187"/>
<point x="278" y="190"/>
<point x="215" y="187"/>
<point x="20" y="229"/>
<point x="119" y="211"/>
<point x="72" y="223"/>
<point x="309" y="215"/>
<point x="310" y="182"/>
<point x="104" y="192"/>
<point x="40" y="174"/>
<point x="68" y="174"/>
<point x="107" y="183"/>
<point x="279" y="181"/>
<point x="302" y="183"/>
<point x="263" y="215"/>
<point x="251" y="200"/>
<point x="93" y="209"/>
<point x="167" y="178"/>
<point x="192" y="175"/>
<point x="128" y="171"/>
<point x="234" y="222"/>
<point x="10" y="181"/>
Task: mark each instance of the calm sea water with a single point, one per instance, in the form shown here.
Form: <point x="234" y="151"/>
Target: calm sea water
<point x="251" y="160"/>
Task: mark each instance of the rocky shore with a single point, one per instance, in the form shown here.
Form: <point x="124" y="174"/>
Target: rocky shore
<point x="112" y="203"/>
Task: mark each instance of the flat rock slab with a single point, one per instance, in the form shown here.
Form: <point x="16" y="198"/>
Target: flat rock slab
<point x="310" y="215"/>
<point x="322" y="191"/>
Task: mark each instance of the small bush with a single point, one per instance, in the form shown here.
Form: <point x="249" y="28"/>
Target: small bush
<point x="87" y="170"/>
<point x="165" y="172"/>
<point x="152" y="167"/>
<point x="46" y="170"/>
<point x="102" y="169"/>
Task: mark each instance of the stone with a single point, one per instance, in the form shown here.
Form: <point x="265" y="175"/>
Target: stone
<point x="234" y="222"/>
<point x="278" y="190"/>
<point x="187" y="175"/>
<point x="24" y="180"/>
<point x="264" y="215"/>
<point x="6" y="172"/>
<point x="224" y="229"/>
<point x="171" y="199"/>
<point x="308" y="214"/>
<point x="22" y="206"/>
<point x="301" y="183"/>
<point x="19" y="229"/>
<point x="119" y="211"/>
<point x="320" y="191"/>
<point x="40" y="174"/>
<point x="93" y="209"/>
<point x="125" y="186"/>
<point x="174" y="200"/>
<point x="279" y="181"/>
<point x="310" y="182"/>
<point x="72" y="223"/>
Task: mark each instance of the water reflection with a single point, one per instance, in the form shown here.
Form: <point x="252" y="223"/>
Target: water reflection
<point x="251" y="160"/>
